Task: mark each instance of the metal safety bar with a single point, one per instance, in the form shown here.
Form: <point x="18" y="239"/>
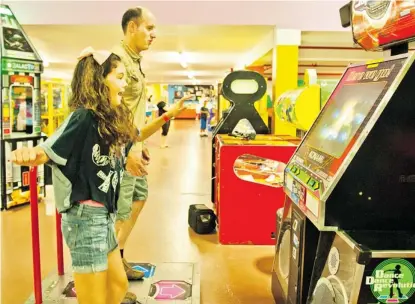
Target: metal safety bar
<point x="37" y="277"/>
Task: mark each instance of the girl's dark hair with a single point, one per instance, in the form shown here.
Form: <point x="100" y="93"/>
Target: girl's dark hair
<point x="89" y="91"/>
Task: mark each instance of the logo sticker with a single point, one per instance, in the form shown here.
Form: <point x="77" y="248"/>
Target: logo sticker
<point x="392" y="281"/>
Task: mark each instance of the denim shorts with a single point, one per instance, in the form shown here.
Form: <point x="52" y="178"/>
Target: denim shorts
<point x="132" y="189"/>
<point x="89" y="233"/>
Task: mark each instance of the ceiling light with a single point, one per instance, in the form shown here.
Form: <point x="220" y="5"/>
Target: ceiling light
<point x="183" y="61"/>
<point x="190" y="74"/>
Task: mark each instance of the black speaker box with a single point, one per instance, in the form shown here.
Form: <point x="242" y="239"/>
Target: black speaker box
<point x="201" y="219"/>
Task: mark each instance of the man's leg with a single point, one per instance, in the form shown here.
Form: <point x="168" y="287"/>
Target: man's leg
<point x="124" y="213"/>
<point x="126" y="221"/>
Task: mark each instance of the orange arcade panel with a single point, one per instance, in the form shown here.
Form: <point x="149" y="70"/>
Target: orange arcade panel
<point x="380" y="24"/>
<point x="249" y="185"/>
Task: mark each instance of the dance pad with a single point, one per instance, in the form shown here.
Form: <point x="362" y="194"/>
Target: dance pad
<point x="165" y="282"/>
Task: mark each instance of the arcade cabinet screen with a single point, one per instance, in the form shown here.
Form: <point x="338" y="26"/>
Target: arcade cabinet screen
<point x="342" y="117"/>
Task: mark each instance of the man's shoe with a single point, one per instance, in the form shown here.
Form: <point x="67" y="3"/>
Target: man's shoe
<point x="129" y="298"/>
<point x="132" y="274"/>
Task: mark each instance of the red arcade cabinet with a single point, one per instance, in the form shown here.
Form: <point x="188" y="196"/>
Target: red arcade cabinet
<point x="249" y="180"/>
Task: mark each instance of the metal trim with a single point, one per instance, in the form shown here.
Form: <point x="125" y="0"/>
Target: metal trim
<point x="401" y="254"/>
<point x="358" y="277"/>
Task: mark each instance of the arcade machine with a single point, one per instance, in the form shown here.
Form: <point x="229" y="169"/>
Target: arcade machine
<point x="255" y="165"/>
<point x="299" y="108"/>
<point x="21" y="68"/>
<point x="54" y="106"/>
<point x="349" y="183"/>
<point x="242" y="107"/>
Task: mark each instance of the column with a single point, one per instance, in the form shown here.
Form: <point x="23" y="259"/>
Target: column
<point x="284" y="71"/>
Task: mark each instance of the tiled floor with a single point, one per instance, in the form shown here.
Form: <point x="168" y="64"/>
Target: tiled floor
<point x="178" y="176"/>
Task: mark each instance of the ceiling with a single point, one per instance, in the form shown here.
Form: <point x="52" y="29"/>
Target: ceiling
<point x="329" y="53"/>
<point x="208" y="59"/>
<point x="214" y="36"/>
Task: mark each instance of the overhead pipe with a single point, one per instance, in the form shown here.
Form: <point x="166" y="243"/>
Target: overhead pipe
<point x="339" y="48"/>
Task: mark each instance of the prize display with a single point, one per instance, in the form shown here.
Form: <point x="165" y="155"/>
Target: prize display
<point x="21" y="68"/>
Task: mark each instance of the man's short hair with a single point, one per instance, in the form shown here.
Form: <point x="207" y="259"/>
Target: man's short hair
<point x="131" y="14"/>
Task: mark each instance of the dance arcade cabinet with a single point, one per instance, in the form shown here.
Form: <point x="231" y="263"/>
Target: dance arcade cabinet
<point x="242" y="89"/>
<point x="350" y="170"/>
<point x="346" y="173"/>
<point x="21" y="67"/>
<point x="367" y="267"/>
<point x="249" y="184"/>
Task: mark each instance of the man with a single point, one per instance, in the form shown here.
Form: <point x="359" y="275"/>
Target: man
<point x="139" y="32"/>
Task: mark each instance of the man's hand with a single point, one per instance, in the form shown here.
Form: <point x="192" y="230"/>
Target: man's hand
<point x="30" y="157"/>
<point x="146" y="155"/>
<point x="135" y="165"/>
<point x="178" y="107"/>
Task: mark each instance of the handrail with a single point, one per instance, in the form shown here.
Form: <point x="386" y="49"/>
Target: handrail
<point x="34" y="208"/>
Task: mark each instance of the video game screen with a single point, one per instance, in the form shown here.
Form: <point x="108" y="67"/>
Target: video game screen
<point x="345" y="115"/>
<point x="333" y="133"/>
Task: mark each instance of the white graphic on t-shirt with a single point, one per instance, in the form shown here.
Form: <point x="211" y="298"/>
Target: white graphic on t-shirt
<point x="97" y="158"/>
<point x="121" y="175"/>
<point x="115" y="181"/>
<point x="102" y="161"/>
<point x="107" y="180"/>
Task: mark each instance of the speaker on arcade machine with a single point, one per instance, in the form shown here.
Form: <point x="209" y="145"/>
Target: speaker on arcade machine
<point x="281" y="265"/>
<point x="242" y="89"/>
<point x="367" y="267"/>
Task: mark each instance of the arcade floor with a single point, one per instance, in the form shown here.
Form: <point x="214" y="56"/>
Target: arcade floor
<point x="178" y="176"/>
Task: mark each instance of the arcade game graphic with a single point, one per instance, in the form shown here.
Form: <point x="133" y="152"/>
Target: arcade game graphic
<point x="380" y="24"/>
<point x="260" y="170"/>
<point x="15" y="41"/>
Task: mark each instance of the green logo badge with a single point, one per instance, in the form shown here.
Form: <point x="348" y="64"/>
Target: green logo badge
<point x="392" y="281"/>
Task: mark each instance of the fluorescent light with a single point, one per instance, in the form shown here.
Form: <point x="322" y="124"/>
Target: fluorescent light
<point x="183" y="61"/>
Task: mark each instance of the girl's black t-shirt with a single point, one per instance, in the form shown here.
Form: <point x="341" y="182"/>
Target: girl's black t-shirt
<point x="84" y="159"/>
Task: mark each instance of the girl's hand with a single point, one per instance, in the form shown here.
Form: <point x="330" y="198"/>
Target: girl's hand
<point x="30" y="157"/>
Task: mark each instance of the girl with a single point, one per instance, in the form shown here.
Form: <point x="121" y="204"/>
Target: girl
<point x="88" y="155"/>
